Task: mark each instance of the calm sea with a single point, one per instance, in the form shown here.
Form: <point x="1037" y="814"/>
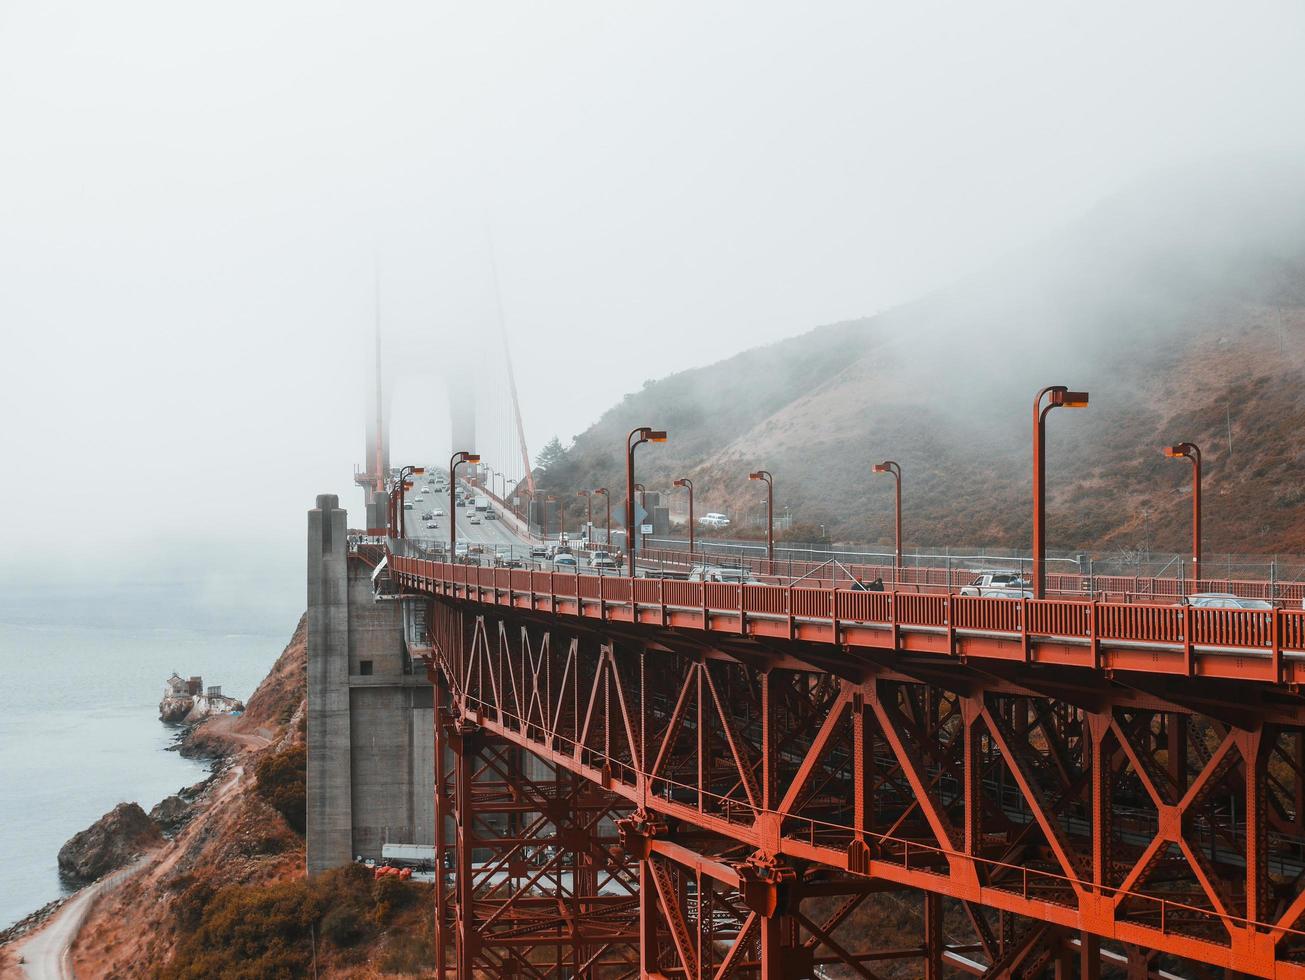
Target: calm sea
<point x="79" y="733"/>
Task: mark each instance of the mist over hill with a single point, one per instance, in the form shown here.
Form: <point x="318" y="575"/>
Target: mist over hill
<point x="1179" y="304"/>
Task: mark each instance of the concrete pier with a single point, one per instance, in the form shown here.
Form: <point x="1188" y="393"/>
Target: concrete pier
<point x="370" y="709"/>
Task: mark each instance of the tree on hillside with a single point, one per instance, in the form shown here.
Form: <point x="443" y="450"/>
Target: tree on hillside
<point x="550" y="455"/>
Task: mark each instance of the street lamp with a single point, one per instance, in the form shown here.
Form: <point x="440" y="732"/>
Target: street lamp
<point x="607" y="497"/>
<point x="645" y="434"/>
<point x="401" y="485"/>
<point x="770" y="515"/>
<point x="688" y="484"/>
<point x="589" y="513"/>
<point x="1058" y="396"/>
<point x="1189" y="450"/>
<point x="454" y="462"/>
<point x="889" y="466"/>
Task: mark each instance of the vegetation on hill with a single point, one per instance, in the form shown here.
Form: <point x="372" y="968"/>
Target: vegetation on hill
<point x="1179" y="305"/>
<point x="339" y="918"/>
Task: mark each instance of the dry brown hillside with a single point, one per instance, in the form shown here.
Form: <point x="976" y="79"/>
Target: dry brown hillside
<point x="1180" y="305"/>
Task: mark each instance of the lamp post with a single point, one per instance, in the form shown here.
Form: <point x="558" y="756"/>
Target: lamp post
<point x="645" y="434"/>
<point x="1057" y="396"/>
<point x="589" y="513"/>
<point x="688" y="484"/>
<point x="770" y="516"/>
<point x="401" y="485"/>
<point x="1189" y="450"/>
<point x="607" y="497"/>
<point x="890" y="466"/>
<point x="454" y="462"/>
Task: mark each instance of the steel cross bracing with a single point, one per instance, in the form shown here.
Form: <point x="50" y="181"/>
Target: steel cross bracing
<point x="630" y="796"/>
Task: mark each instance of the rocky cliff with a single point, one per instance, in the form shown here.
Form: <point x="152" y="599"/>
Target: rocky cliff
<point x="116" y="839"/>
<point x="228" y="894"/>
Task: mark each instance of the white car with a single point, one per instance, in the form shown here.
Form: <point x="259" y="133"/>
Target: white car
<point x="717" y="573"/>
<point x="475" y="519"/>
<point x="995" y="584"/>
<point x="602" y="559"/>
<point x="714" y="520"/>
<point x="431" y="524"/>
<point x="564" y="559"/>
<point x="438" y="511"/>
<point x="1223" y="600"/>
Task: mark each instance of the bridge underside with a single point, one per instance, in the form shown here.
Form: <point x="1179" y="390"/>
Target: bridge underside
<point x="620" y="801"/>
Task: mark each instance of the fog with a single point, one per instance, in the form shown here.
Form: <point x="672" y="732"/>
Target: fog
<point x="198" y="207"/>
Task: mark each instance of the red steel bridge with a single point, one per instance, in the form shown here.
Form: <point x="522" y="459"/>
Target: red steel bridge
<point x="659" y="778"/>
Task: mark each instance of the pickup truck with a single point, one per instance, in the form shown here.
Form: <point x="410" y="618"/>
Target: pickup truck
<point x="995" y="583"/>
<point x="716" y="573"/>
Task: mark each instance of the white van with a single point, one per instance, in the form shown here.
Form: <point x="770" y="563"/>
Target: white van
<point x="714" y="520"/>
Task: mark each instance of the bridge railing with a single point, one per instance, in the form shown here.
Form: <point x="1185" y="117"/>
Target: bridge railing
<point x="929" y="579"/>
<point x="1276" y="635"/>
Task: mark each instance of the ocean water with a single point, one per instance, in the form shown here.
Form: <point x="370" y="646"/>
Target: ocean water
<point x="79" y="733"/>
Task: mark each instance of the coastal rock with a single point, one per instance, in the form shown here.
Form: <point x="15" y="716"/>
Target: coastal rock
<point x="111" y="842"/>
<point x="172" y="813"/>
<point x="174" y="710"/>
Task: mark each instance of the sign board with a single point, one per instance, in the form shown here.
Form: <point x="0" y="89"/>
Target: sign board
<point x="645" y="529"/>
<point x="640" y="515"/>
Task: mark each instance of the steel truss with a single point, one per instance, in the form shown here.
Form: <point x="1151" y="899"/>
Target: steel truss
<point x="618" y="801"/>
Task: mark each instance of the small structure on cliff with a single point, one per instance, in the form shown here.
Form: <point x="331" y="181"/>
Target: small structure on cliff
<point x="186" y="700"/>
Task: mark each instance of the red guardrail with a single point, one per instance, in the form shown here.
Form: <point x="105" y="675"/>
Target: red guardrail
<point x="942" y="579"/>
<point x="1164" y="626"/>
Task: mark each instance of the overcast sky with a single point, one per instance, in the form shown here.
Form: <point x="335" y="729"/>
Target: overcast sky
<point x="195" y="201"/>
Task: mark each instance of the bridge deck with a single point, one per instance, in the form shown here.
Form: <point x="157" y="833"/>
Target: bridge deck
<point x="1264" y="646"/>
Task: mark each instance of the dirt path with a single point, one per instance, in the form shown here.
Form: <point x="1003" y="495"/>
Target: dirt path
<point x="47" y="954"/>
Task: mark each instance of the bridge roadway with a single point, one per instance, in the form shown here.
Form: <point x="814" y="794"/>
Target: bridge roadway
<point x="766" y="747"/>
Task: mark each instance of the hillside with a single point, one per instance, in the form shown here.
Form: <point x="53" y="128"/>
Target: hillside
<point x="1179" y="304"/>
<point x="227" y="894"/>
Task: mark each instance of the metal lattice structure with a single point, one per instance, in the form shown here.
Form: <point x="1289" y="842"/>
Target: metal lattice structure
<point x="662" y="779"/>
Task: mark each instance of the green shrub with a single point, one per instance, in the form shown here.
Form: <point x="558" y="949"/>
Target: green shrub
<point x="282" y="781"/>
<point x="344" y="926"/>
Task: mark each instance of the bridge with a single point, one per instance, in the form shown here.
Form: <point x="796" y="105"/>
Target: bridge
<point x="790" y="775"/>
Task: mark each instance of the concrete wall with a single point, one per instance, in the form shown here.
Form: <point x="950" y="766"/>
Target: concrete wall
<point x="371" y="722"/>
<point x="330" y="816"/>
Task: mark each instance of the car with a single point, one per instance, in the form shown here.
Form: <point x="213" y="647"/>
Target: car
<point x="490" y="515"/>
<point x="986" y="583"/>
<point x="538" y="552"/>
<point x="428" y="516"/>
<point x="602" y="559"/>
<point x="438" y="512"/>
<point x="425" y="490"/>
<point x="407" y="506"/>
<point x="1222" y="600"/>
<point x="718" y="573"/>
<point x="564" y="559"/>
<point x="461" y="549"/>
<point x="475" y="519"/>
<point x="714" y="520"/>
<point x="461" y="502"/>
<point x="431" y="524"/>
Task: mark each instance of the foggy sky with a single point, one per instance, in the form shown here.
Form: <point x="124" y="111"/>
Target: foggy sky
<point x="194" y="202"/>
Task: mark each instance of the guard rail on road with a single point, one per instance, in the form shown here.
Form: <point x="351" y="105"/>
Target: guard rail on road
<point x="1264" y="646"/>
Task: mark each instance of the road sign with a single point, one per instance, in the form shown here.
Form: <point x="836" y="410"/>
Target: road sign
<point x="640" y="515"/>
<point x="645" y="529"/>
